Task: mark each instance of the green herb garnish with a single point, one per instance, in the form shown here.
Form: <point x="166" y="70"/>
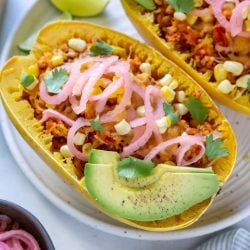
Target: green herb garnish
<point x="214" y="149"/>
<point x="132" y="167"/>
<point x="96" y="124"/>
<point x="169" y="111"/>
<point x="183" y="6"/>
<point x="100" y="48"/>
<point x="26" y="80"/>
<point x="147" y="4"/>
<point x="248" y="85"/>
<point x="196" y="108"/>
<point x="55" y="79"/>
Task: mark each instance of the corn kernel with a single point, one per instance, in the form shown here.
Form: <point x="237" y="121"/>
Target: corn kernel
<point x="57" y="60"/>
<point x="174" y="84"/>
<point x="86" y="148"/>
<point x="119" y="51"/>
<point x="33" y="70"/>
<point x="207" y="18"/>
<point x="118" y="92"/>
<point x="168" y="121"/>
<point x="181" y="108"/>
<point x="180" y="95"/>
<point x="166" y="80"/>
<point x="64" y="150"/>
<point x="235" y="68"/>
<point x="96" y="90"/>
<point x="79" y="139"/>
<point x="163" y="124"/>
<point x="225" y="86"/>
<point x="180" y="16"/>
<point x="191" y="19"/>
<point x="220" y="73"/>
<point x="123" y="127"/>
<point x="247" y="25"/>
<point x="77" y="44"/>
<point x="50" y="106"/>
<point x="145" y="68"/>
<point x="242" y="81"/>
<point x="141" y="111"/>
<point x="168" y="93"/>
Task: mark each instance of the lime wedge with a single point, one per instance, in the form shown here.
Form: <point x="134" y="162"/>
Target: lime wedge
<point x="26" y="45"/>
<point x="81" y="8"/>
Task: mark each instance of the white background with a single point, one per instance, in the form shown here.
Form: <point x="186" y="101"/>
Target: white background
<point x="65" y="231"/>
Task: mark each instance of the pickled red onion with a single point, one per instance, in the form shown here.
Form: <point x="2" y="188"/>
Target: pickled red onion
<point x="86" y="92"/>
<point x="112" y="87"/>
<point x="186" y="142"/>
<point x="125" y="100"/>
<point x="217" y="10"/>
<point x="20" y="235"/>
<point x="138" y="122"/>
<point x="66" y="90"/>
<point x="50" y="113"/>
<point x="79" y="123"/>
<point x="120" y="68"/>
<point x="132" y="147"/>
<point x="236" y="21"/>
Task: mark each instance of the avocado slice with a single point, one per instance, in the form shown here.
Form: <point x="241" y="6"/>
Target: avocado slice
<point x="109" y="157"/>
<point x="102" y="157"/>
<point x="167" y="193"/>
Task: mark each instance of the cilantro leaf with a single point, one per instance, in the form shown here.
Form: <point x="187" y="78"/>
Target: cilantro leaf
<point x="147" y="4"/>
<point x="196" y="108"/>
<point x="214" y="149"/>
<point x="100" y="48"/>
<point x="132" y="167"/>
<point x="183" y="6"/>
<point x="55" y="79"/>
<point x="26" y="80"/>
<point x="96" y="124"/>
<point x="167" y="108"/>
<point x="248" y="85"/>
<point x="169" y="111"/>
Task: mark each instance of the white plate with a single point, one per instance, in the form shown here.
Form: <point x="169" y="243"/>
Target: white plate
<point x="230" y="206"/>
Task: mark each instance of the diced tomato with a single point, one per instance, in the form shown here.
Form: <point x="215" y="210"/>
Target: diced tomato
<point x="219" y="36"/>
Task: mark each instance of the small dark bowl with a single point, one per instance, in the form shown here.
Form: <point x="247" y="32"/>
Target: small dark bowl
<point x="28" y="222"/>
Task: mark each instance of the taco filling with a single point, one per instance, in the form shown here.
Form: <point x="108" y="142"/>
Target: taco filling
<point x="213" y="37"/>
<point x="92" y="95"/>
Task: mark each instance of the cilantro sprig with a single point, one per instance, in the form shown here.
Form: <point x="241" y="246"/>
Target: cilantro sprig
<point x="96" y="124"/>
<point x="100" y="48"/>
<point x="169" y="111"/>
<point x="214" y="149"/>
<point x="26" y="80"/>
<point x="197" y="109"/>
<point x="132" y="167"/>
<point x="183" y="6"/>
<point x="55" y="79"/>
<point x="147" y="4"/>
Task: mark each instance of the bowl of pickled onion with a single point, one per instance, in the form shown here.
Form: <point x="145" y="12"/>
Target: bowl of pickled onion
<point x="20" y="230"/>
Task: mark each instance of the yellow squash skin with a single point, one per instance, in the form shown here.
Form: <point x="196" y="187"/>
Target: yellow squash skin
<point x="22" y="114"/>
<point x="149" y="32"/>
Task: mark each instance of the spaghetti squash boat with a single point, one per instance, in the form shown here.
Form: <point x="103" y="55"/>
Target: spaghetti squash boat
<point x="125" y="126"/>
<point x="208" y="39"/>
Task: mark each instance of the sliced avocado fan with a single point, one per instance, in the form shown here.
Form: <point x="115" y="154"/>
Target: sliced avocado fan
<point x="168" y="191"/>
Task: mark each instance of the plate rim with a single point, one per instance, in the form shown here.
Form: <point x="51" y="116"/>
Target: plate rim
<point x="79" y="216"/>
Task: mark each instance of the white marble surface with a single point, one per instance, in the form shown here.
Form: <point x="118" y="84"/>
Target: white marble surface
<point x="65" y="232"/>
